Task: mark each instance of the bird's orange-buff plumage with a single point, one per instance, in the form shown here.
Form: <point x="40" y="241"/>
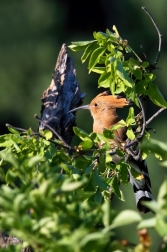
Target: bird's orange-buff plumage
<point x="103" y="109"/>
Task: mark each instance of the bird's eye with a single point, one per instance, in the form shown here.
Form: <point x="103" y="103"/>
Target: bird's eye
<point x="96" y="104"/>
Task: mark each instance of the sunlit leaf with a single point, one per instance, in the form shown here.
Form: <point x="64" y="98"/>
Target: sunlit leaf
<point x="104" y="80"/>
<point x="99" y="70"/>
<point x="147" y="223"/>
<point x="126" y="217"/>
<point x="48" y="134"/>
<point x="98" y="197"/>
<point x="115" y="188"/>
<point x="97" y="180"/>
<point x="162" y="195"/>
<point x="95" y="56"/>
<point x="156" y="96"/>
<point x="88" y="51"/>
<point x="137" y="73"/>
<point x="155" y="146"/>
<point x="130" y="134"/>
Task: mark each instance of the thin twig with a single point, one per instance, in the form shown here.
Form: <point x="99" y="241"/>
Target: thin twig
<point x="49" y="127"/>
<point x="40" y="135"/>
<point x="136" y="154"/>
<point x="143" y="117"/>
<point x="159" y="35"/>
<point x="154" y="116"/>
<point x="19" y="129"/>
<point x="52" y="141"/>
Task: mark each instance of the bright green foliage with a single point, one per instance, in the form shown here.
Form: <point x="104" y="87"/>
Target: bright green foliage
<point x="120" y="69"/>
<point x="56" y="199"/>
<point x="48" y="209"/>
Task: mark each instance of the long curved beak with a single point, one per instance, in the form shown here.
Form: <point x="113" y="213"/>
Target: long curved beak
<point x="81" y="107"/>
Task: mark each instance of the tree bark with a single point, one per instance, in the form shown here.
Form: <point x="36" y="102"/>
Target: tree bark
<point x="62" y="95"/>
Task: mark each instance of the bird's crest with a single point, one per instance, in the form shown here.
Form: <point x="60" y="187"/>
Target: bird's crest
<point x="115" y="101"/>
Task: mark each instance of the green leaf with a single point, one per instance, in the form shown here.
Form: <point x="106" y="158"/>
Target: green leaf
<point x="123" y="75"/>
<point x="83" y="43"/>
<point x="106" y="213"/>
<point x="134" y="62"/>
<point x="14" y="131"/>
<point x="89" y="169"/>
<point x="88" y="241"/>
<point x="130" y="134"/>
<point x="155" y="146"/>
<point x="131" y="117"/>
<point x="108" y="134"/>
<point x="98" y="197"/>
<point x="112" y="36"/>
<point x="87" y="141"/>
<point x="141" y="87"/>
<point x="77" y="46"/>
<point x="83" y="162"/>
<point x="123" y="218"/>
<point x="108" y="158"/>
<point x="156" y="96"/>
<point x="10" y="177"/>
<point x="102" y="35"/>
<point x="149" y="77"/>
<point x="126" y="217"/>
<point x="86" y="144"/>
<point x="104" y="80"/>
<point x="161" y="224"/>
<point x="97" y="180"/>
<point x="34" y="160"/>
<point x="147" y="223"/>
<point x="71" y="186"/>
<point x="119" y="125"/>
<point x="48" y="134"/>
<point x="99" y="70"/>
<point x="112" y="87"/>
<point x="88" y="51"/>
<point x="81" y="133"/>
<point x="8" y="156"/>
<point x="115" y="188"/>
<point x="104" y="142"/>
<point x="95" y="57"/>
<point x="137" y="73"/>
<point x="145" y="64"/>
<point x="123" y="172"/>
<point x="162" y="195"/>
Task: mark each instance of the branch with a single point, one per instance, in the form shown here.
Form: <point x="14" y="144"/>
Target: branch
<point x="49" y="127"/>
<point x="154" y="116"/>
<point x="143" y="118"/>
<point x="16" y="128"/>
<point x="62" y="94"/>
<point x="52" y="141"/>
<point x="159" y="35"/>
<point x="40" y="135"/>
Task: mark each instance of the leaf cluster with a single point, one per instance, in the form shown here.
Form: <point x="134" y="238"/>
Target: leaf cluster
<point x="120" y="68"/>
<point x="48" y="209"/>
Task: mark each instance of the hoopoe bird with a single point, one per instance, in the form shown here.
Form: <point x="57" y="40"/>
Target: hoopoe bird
<point x="103" y="110"/>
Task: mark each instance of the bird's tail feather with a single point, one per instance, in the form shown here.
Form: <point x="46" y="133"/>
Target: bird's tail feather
<point x="141" y="184"/>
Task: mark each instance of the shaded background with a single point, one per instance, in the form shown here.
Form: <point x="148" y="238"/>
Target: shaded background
<point x="31" y="35"/>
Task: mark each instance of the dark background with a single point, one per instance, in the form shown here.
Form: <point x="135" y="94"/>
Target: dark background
<point x="31" y="35"/>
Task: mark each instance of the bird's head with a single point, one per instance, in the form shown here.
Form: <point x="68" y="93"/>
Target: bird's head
<point x="104" y="103"/>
